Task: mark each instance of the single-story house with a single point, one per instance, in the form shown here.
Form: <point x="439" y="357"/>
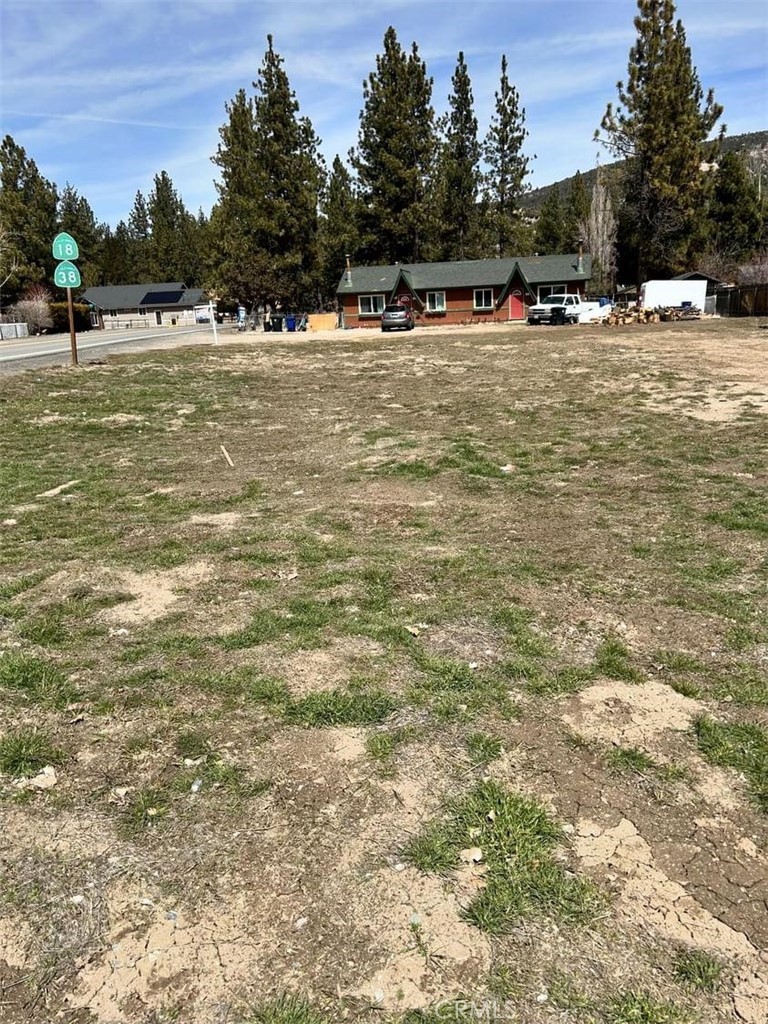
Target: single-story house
<point x="143" y="305"/>
<point x="464" y="291"/>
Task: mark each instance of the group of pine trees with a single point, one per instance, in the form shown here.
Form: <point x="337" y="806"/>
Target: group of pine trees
<point x="417" y="187"/>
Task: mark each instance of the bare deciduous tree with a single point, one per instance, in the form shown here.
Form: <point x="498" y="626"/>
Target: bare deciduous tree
<point x="754" y="272"/>
<point x="9" y="256"/>
<point x="34" y="309"/>
<point x="599" y="234"/>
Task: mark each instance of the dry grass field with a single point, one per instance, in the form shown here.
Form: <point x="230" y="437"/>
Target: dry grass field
<point x="446" y="701"/>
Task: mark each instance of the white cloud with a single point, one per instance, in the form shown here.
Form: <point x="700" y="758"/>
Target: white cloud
<point x="113" y="91"/>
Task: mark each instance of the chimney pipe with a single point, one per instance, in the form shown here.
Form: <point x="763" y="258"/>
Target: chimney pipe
<point x="348" y="273"/>
<point x="580" y="261"/>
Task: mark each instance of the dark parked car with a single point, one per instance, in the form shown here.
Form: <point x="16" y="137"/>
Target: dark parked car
<point x="396" y="317"/>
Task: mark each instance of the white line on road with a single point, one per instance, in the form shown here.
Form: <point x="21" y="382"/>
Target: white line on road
<point x="42" y="353"/>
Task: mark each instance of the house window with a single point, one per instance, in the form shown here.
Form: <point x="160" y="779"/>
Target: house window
<point x="551" y="289"/>
<point x="483" y="298"/>
<point x="370" y="305"/>
<point x="435" y="302"/>
<point x="142" y="311"/>
<point x="113" y="312"/>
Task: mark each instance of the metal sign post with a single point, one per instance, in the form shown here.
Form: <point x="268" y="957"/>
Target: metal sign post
<point x="213" y="319"/>
<point x="67" y="276"/>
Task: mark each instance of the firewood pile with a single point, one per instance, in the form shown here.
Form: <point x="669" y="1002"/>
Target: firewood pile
<point x="631" y="315"/>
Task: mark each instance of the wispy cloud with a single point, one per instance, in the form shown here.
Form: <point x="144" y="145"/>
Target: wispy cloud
<point x="113" y="91"/>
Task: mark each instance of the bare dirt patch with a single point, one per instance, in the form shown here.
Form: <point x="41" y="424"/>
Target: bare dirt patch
<point x="650" y="897"/>
<point x="631" y="714"/>
<point x="154" y="593"/>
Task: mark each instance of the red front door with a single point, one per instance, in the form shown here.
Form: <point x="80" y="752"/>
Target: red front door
<point x="516" y="306"/>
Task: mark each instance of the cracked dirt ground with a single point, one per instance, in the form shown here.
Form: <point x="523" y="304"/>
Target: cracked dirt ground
<point x="572" y="519"/>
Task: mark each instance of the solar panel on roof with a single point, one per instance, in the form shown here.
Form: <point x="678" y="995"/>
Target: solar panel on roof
<point x="161" y="298"/>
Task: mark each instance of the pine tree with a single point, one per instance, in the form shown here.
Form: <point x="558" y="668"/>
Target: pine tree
<point x="394" y="156"/>
<point x="76" y="217"/>
<point x="139" y="227"/>
<point x="507" y="168"/>
<point x="27" y="218"/>
<point x="458" y="229"/>
<point x="117" y="257"/>
<point x="339" y="234"/>
<point x="737" y="226"/>
<point x="661" y="127"/>
<point x="171" y="237"/>
<point x="551" y="228"/>
<point x="266" y="220"/>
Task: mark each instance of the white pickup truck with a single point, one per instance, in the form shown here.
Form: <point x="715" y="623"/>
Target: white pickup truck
<point x="566" y="309"/>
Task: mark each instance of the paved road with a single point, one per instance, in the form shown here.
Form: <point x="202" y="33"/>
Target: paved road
<point x="54" y="350"/>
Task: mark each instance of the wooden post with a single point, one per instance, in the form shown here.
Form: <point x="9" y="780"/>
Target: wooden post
<point x="72" y="336"/>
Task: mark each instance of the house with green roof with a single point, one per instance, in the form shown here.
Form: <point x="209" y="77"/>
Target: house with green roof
<point x="464" y="291"/>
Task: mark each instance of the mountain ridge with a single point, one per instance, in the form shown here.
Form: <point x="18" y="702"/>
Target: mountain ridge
<point x="532" y="201"/>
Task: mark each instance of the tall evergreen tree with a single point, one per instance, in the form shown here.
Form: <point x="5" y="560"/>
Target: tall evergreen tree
<point x="28" y="219"/>
<point x="507" y="168"/>
<point x="140" y="229"/>
<point x="458" y="229"/>
<point x="76" y="217"/>
<point x="266" y="220"/>
<point x="395" y="154"/>
<point x="339" y="234"/>
<point x="661" y="127"/>
<point x="117" y="257"/>
<point x="737" y="225"/>
<point x="171" y="236"/>
<point x="551" y="228"/>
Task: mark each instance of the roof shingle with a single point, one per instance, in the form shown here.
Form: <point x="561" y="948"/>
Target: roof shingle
<point x="466" y="273"/>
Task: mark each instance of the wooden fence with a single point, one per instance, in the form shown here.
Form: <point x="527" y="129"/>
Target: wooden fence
<point x="748" y="300"/>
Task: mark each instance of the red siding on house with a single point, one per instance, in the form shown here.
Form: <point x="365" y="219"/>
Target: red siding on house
<point x="459" y="303"/>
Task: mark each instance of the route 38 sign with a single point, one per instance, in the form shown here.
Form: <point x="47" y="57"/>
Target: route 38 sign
<point x="66" y="275"/>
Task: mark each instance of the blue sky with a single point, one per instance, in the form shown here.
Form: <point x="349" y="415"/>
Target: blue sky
<point x="104" y="94"/>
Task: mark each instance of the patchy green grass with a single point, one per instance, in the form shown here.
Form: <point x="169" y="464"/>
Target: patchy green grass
<point x="36" y="680"/>
<point x="286" y="1009"/>
<point x="747" y="513"/>
<point x="564" y="680"/>
<point x="518" y="839"/>
<point x="340" y="707"/>
<point x="26" y="751"/>
<point x="382" y="745"/>
<point x="483" y="748"/>
<point x="740" y="746"/>
<point x="613" y="659"/>
<point x="147" y="808"/>
<point x="46" y="630"/>
<point x="630" y="759"/>
<point x="516" y="621"/>
<point x="641" y="1008"/>
<point x="698" y="969"/>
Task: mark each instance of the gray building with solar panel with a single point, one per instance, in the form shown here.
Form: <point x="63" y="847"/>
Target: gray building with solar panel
<point x="166" y="304"/>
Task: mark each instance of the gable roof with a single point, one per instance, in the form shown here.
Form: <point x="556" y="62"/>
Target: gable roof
<point x="131" y="296"/>
<point x="465" y="274"/>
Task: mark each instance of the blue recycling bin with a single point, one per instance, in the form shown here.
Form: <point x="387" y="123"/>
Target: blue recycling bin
<point x="290" y="322"/>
